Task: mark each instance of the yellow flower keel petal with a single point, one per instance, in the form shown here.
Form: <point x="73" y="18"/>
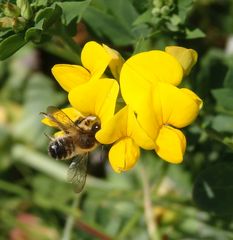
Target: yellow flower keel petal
<point x="123" y="155"/>
<point x="171" y="144"/>
<point x="124" y="124"/>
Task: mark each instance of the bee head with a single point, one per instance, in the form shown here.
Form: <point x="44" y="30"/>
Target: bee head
<point x="89" y="124"/>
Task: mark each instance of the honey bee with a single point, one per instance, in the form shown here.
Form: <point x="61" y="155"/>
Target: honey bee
<point x="77" y="139"/>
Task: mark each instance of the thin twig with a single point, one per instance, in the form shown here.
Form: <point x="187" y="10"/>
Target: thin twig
<point x="92" y="231"/>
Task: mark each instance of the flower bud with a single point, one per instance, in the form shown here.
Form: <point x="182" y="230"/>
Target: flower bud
<point x="10" y="10"/>
<point x="6" y="22"/>
<point x="25" y="8"/>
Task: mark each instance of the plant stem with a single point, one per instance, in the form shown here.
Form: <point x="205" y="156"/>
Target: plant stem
<point x="152" y="227"/>
<point x="129" y="225"/>
<point x="70" y="221"/>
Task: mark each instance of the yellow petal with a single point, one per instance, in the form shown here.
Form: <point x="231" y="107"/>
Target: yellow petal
<point x="70" y="76"/>
<point x="186" y="57"/>
<point x="116" y="62"/>
<point x="123" y="155"/>
<point x="124" y="124"/>
<point x="171" y="144"/>
<point x="141" y="72"/>
<point x="95" y="59"/>
<point x="97" y="97"/>
<point x="178" y="107"/>
<point x="72" y="113"/>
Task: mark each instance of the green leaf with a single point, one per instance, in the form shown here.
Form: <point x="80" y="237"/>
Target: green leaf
<point x="72" y="10"/>
<point x="47" y="17"/>
<point x="123" y="11"/>
<point x="33" y="34"/>
<point x="196" y="33"/>
<point x="222" y="123"/>
<point x="228" y="81"/>
<point x="224" y="97"/>
<point x="183" y="7"/>
<point x="105" y="25"/>
<point x="11" y="44"/>
<point x="143" y="18"/>
<point x="213" y="189"/>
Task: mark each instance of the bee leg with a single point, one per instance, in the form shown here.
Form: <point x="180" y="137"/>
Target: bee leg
<point x="49" y="137"/>
<point x="44" y="114"/>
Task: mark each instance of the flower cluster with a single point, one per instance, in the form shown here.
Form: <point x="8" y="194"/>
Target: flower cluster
<point x="151" y="108"/>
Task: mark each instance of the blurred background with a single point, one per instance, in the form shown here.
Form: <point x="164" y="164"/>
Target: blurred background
<point x="155" y="200"/>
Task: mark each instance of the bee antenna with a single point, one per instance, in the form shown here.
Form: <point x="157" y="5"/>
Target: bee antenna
<point x="49" y="137"/>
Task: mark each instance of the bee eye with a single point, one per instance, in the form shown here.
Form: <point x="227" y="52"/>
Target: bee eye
<point x="95" y="127"/>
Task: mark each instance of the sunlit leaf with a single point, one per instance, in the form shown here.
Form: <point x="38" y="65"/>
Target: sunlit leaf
<point x="196" y="33"/>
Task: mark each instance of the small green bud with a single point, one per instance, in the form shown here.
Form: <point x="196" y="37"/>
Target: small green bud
<point x="165" y="10"/>
<point x="156" y="12"/>
<point x="25" y="8"/>
<point x="6" y="22"/>
<point x="10" y="9"/>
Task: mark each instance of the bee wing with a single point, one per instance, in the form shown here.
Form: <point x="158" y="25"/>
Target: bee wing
<point x="62" y="121"/>
<point x="77" y="172"/>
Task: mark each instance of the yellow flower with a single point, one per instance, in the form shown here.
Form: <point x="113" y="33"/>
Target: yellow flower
<point x="125" y="132"/>
<point x="148" y="84"/>
<point x="96" y="97"/>
<point x="186" y="57"/>
<point x="139" y="75"/>
<point x="95" y="59"/>
<point x="155" y="107"/>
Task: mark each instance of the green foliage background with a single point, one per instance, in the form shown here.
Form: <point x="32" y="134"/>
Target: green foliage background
<point x="155" y="200"/>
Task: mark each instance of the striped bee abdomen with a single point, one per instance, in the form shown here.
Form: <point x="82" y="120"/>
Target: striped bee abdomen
<point x="62" y="148"/>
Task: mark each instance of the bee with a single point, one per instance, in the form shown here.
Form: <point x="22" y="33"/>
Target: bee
<point x="76" y="140"/>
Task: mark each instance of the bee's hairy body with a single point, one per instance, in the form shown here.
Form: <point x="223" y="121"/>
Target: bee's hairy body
<point x="80" y="141"/>
<point x="68" y="146"/>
